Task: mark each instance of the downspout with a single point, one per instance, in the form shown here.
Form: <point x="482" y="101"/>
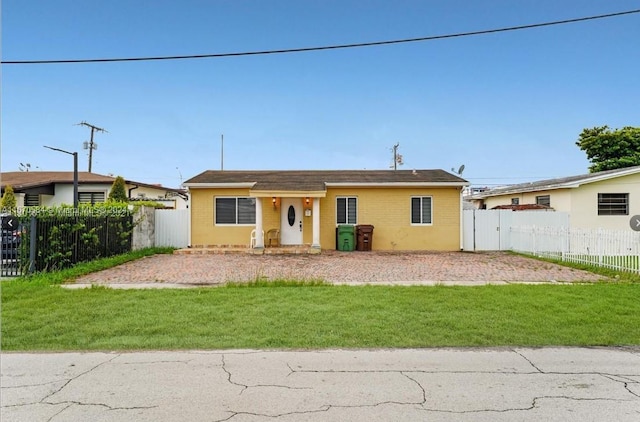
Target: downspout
<point x="130" y="189"/>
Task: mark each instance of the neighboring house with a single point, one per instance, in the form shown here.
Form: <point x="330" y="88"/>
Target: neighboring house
<point x="49" y="188"/>
<point x="607" y="199"/>
<point x="410" y="210"/>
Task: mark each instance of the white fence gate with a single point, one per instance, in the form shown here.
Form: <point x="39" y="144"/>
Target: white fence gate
<point x="490" y="230"/>
<point x="485" y="230"/>
<point x="172" y="228"/>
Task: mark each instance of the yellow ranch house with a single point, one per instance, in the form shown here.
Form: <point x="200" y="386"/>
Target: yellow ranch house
<point x="403" y="209"/>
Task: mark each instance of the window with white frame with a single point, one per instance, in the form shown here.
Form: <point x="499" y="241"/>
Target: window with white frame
<point x="613" y="204"/>
<point x="347" y="210"/>
<point x="543" y="200"/>
<point x="235" y="210"/>
<point x="421" y="210"/>
<point x="91" y="197"/>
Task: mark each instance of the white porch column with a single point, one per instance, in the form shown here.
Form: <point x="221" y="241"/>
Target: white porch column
<point x="259" y="229"/>
<point x="316" y="223"/>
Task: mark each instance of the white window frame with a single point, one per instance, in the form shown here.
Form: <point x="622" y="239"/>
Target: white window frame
<point x="236" y="224"/>
<point x="543" y="200"/>
<point x="607" y="208"/>
<point x="347" y="198"/>
<point x="421" y="198"/>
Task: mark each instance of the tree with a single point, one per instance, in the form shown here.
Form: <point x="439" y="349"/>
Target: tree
<point x="118" y="190"/>
<point x="9" y="202"/>
<point x="609" y="149"/>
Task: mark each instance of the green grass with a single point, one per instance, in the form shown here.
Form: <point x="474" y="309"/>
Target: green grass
<point x="39" y="316"/>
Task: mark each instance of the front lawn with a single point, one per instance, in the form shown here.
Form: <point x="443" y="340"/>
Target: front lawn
<point x="40" y="316"/>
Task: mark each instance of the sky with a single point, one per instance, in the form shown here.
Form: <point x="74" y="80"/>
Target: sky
<point x="508" y="106"/>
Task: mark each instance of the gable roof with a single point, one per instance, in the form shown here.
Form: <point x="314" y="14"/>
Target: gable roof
<point x="570" y="182"/>
<point x="24" y="180"/>
<point x="318" y="180"/>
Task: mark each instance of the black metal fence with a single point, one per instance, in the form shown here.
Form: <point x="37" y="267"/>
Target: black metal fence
<point x="48" y="243"/>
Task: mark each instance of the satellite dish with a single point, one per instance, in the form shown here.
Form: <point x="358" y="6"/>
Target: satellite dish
<point x="460" y="170"/>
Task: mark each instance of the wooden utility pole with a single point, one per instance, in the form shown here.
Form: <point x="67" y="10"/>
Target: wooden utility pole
<point x="397" y="158"/>
<point x="91" y="145"/>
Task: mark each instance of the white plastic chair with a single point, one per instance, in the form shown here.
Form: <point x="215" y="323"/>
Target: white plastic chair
<point x="254" y="238"/>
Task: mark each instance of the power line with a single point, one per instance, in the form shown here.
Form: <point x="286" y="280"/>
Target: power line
<point x="331" y="47"/>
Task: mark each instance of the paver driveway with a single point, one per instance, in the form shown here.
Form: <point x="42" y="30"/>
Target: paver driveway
<point x="341" y="268"/>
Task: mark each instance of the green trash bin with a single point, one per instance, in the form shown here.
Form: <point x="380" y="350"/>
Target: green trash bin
<point x="345" y="237"/>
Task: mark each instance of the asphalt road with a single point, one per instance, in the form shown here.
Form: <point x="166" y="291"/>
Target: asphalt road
<point x="521" y="384"/>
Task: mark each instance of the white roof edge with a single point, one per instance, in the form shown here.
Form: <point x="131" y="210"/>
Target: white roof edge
<point x="407" y="184"/>
<point x="220" y="185"/>
<point x="626" y="171"/>
<point x="567" y="185"/>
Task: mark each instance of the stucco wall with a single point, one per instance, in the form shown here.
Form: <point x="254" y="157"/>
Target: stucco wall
<point x="64" y="193"/>
<point x="560" y="199"/>
<point x="388" y="210"/>
<point x="582" y="202"/>
<point x="585" y="203"/>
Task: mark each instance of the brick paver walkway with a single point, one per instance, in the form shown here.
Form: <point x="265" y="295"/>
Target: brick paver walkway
<point x="341" y="267"/>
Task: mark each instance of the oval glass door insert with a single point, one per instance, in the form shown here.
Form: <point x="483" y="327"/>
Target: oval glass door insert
<point x="291" y="215"/>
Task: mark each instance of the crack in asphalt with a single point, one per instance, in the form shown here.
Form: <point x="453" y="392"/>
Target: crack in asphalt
<point x="43" y="400"/>
<point x="71" y="403"/>
<point x="245" y="387"/>
<point x="302" y="412"/>
<point x="624" y="383"/>
<point x="59" y="412"/>
<point x="34" y="385"/>
<point x="625" y="380"/>
<point x="534" y="403"/>
<point x="224" y="368"/>
<point x="77" y="403"/>
<point x="528" y="360"/>
<point x="424" y="392"/>
<point x="327" y="407"/>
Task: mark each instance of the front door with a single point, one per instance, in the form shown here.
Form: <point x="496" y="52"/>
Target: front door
<point x="291" y="221"/>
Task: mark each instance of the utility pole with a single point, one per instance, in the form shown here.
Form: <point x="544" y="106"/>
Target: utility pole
<point x="91" y="145"/>
<point x="222" y="152"/>
<point x="397" y="158"/>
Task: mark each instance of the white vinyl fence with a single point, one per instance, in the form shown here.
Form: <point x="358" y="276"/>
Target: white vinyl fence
<point x="172" y="228"/>
<point x="614" y="249"/>
<point x="490" y="230"/>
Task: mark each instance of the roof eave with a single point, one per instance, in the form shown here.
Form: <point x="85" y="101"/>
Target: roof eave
<point x="219" y="185"/>
<point x="396" y="184"/>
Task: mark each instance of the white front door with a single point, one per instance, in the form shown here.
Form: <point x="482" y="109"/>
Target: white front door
<point x="291" y="221"/>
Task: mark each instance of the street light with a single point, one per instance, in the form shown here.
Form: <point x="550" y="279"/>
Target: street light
<point x="75" y="173"/>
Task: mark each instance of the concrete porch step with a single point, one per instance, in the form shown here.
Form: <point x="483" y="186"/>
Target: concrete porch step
<point x="281" y="250"/>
